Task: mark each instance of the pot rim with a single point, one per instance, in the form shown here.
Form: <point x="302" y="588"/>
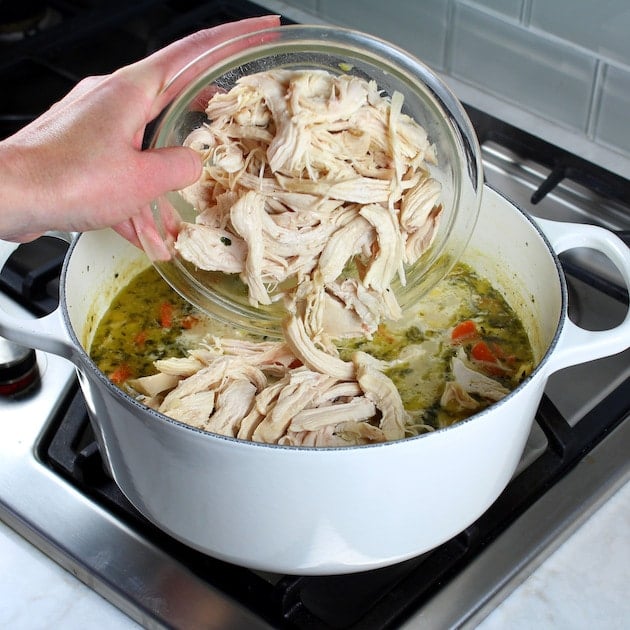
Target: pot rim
<point x="87" y="363"/>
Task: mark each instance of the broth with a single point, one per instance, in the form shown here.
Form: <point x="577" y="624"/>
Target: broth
<point x="464" y="316"/>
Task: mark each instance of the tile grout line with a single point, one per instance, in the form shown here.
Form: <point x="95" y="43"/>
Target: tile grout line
<point x="526" y="13"/>
<point x="449" y="36"/>
<point x="596" y="99"/>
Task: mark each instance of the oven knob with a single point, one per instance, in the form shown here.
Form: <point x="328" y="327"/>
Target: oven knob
<point x="18" y="368"/>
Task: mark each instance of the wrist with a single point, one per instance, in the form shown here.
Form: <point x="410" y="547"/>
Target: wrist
<point x="17" y="194"/>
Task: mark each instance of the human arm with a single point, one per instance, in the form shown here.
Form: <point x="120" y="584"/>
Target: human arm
<point x="80" y="165"/>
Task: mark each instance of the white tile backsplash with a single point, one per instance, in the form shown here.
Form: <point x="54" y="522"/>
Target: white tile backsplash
<point x="306" y="5"/>
<point x="545" y="76"/>
<point x="613" y="120"/>
<point x="600" y="26"/>
<point x="564" y="62"/>
<point x="419" y="27"/>
<point x="509" y="8"/>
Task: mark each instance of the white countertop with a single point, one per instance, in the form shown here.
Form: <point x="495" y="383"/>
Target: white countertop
<point x="583" y="584"/>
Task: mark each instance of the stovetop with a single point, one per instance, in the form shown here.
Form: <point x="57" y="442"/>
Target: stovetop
<point x="50" y="467"/>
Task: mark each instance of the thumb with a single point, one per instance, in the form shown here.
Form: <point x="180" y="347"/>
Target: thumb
<point x="169" y="168"/>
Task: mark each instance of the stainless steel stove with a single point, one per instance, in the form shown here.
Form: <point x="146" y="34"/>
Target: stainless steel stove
<point x="55" y="492"/>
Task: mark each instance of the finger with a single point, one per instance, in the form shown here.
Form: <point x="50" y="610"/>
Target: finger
<point x="22" y="238"/>
<point x="142" y="232"/>
<point x="155" y="72"/>
<point x="161" y="170"/>
<point x="127" y="230"/>
<point x="148" y="237"/>
<point x="169" y="168"/>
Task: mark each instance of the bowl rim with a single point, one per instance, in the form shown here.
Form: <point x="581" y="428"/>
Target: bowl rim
<point x="416" y="75"/>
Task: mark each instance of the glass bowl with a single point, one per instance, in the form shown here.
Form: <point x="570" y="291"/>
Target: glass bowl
<point x="339" y="51"/>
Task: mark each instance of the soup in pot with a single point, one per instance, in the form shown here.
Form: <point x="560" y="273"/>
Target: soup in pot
<point x="461" y="350"/>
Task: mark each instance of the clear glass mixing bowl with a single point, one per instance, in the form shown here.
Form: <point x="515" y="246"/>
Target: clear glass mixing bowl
<point x="339" y="51"/>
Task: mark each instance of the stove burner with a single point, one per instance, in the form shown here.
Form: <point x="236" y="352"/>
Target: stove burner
<point x="31" y="274"/>
<point x="18" y="368"/>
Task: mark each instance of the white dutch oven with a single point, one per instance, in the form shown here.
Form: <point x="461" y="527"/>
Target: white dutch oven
<point x="327" y="511"/>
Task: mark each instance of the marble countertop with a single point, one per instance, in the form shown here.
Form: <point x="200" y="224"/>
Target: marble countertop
<point x="583" y="584"/>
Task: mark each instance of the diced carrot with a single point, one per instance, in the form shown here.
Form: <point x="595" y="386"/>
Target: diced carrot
<point x="386" y="336"/>
<point x="120" y="374"/>
<point x="488" y="360"/>
<point x="189" y="321"/>
<point x="140" y="338"/>
<point x="464" y="331"/>
<point x="481" y="352"/>
<point x="166" y="314"/>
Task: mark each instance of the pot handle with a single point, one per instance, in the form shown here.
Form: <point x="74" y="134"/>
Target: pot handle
<point x="578" y="345"/>
<point x="47" y="333"/>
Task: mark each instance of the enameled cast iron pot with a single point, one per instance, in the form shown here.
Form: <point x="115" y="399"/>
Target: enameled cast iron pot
<point x="326" y="511"/>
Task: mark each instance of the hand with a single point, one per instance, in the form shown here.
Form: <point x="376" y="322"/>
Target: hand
<point x="80" y="166"/>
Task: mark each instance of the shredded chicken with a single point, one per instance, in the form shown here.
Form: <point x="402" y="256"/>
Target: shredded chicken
<point x="321" y="180"/>
<point x="468" y="382"/>
<point x="275" y="392"/>
<point x="311" y="175"/>
<point x="263" y="392"/>
<point x="474" y="382"/>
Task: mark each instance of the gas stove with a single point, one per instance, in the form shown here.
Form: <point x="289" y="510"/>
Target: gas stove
<point x="56" y="493"/>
